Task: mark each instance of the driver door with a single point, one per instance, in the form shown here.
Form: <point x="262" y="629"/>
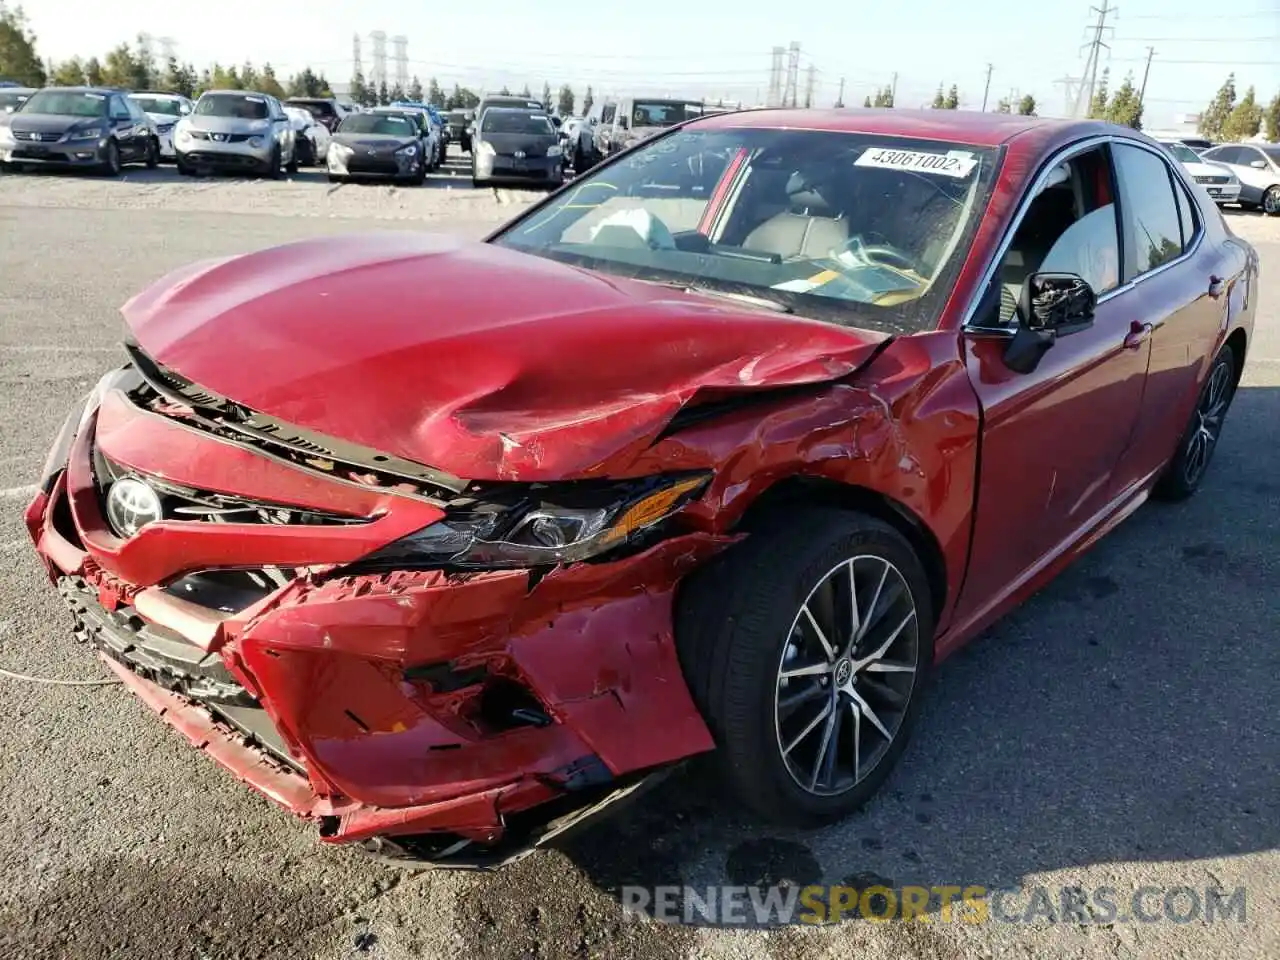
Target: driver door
<point x="125" y="127"/>
<point x="1054" y="439"/>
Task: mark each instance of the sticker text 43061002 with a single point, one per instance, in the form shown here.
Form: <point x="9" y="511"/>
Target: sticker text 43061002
<point x="953" y="163"/>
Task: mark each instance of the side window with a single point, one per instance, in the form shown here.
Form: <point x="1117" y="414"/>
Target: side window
<point x="1152" y="227"/>
<point x="1069" y="227"/>
<point x="119" y="109"/>
<point x="1249" y="154"/>
<point x="608" y="113"/>
<point x="1186" y="215"/>
<point x="1224" y="154"/>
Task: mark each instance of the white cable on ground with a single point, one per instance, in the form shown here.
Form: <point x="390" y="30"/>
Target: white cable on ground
<point x="25" y="678"/>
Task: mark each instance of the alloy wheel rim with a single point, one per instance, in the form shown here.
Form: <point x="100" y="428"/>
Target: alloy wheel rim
<point x="846" y="675"/>
<point x="1271" y="202"/>
<point x="1209" y="416"/>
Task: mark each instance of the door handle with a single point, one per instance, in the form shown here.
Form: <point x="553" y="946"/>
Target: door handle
<point x="1216" y="285"/>
<point x="1139" y="333"/>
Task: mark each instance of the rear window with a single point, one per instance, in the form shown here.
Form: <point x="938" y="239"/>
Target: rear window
<point x="163" y="105"/>
<point x="233" y="106"/>
<point x="515" y="121"/>
<point x="663" y="113"/>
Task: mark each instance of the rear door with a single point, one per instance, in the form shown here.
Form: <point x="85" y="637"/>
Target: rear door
<point x="1176" y="291"/>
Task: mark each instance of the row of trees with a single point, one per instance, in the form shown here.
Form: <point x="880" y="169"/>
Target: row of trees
<point x="366" y="94"/>
<point x="1229" y="120"/>
<point x="950" y="100"/>
<point x="1123" y="105"/>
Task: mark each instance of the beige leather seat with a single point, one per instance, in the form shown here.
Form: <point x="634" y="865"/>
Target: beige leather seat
<point x="808" y="230"/>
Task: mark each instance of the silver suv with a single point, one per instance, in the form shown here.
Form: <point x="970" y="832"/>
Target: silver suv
<point x="236" y="130"/>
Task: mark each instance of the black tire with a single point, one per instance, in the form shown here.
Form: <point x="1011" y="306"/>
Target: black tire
<point x="111" y="165"/>
<point x="304" y="152"/>
<point x="1186" y="471"/>
<point x="292" y="167"/>
<point x="477" y="183"/>
<point x="273" y="170"/>
<point x="736" y="619"/>
<point x="1271" y="201"/>
<point x="153" y="153"/>
<point x="184" y="169"/>
<point x="334" y="178"/>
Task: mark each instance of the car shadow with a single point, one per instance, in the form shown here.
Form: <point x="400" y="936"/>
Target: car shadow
<point x="1126" y="713"/>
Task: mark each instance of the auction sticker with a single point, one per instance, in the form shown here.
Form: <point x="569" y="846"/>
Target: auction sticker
<point x="953" y="163"/>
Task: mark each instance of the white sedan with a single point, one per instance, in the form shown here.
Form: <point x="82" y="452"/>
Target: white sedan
<point x="311" y="138"/>
<point x="165" y="109"/>
<point x="1217" y="180"/>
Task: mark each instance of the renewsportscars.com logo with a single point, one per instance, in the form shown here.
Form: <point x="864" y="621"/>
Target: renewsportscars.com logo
<point x="975" y="904"/>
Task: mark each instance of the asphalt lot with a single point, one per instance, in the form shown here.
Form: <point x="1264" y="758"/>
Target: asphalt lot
<point x="1118" y="730"/>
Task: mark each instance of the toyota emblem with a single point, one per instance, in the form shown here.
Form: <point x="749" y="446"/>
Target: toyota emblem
<point x="519" y="154"/>
<point x="131" y="505"/>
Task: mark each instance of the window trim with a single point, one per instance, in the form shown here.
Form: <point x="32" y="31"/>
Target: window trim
<point x="968" y="326"/>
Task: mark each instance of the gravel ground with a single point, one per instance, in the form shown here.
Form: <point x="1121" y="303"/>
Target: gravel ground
<point x="1120" y="729"/>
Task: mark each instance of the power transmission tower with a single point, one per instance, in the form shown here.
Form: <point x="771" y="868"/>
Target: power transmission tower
<point x="378" y="76"/>
<point x="1070" y="90"/>
<point x="357" y="67"/>
<point x="1146" y="72"/>
<point x="840" y="95"/>
<point x="811" y="81"/>
<point x="791" y="91"/>
<point x="401" y="57"/>
<point x="1096" y="45"/>
<point x="775" y="78"/>
<point x="893" y="90"/>
<point x="987" y="89"/>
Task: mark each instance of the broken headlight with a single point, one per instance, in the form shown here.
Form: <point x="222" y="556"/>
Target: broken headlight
<point x="543" y="525"/>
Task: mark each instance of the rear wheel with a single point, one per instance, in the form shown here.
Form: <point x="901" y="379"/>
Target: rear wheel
<point x="806" y="649"/>
<point x="1187" y="469"/>
<point x="1271" y="201"/>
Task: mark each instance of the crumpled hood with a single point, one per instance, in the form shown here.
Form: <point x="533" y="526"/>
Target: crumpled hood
<point x="468" y="357"/>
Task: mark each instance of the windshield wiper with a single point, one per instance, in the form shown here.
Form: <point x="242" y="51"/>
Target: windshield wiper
<point x="775" y="305"/>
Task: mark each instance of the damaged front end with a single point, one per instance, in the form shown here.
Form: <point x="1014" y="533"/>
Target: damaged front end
<point x="436" y="669"/>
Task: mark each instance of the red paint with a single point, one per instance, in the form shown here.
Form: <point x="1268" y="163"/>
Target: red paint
<point x="509" y="367"/>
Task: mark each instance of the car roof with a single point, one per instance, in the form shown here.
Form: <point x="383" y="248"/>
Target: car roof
<point x="236" y="93"/>
<point x="979" y="129"/>
<point x="157" y="93"/>
<point x="81" y="88"/>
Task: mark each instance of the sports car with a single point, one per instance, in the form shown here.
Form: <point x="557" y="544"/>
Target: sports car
<point x="714" y="453"/>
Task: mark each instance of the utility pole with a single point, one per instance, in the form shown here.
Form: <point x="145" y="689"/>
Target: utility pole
<point x="1146" y="71"/>
<point x="1091" y="65"/>
<point x="840" y="95"/>
<point x="790" y="93"/>
<point x="987" y="89"/>
<point x="774" y="98"/>
<point x="893" y="89"/>
<point x="810" y="82"/>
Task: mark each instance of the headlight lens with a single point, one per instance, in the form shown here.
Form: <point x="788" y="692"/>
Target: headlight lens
<point x="554" y="151"/>
<point x="410" y="151"/>
<point x="340" y="151"/>
<point x="560" y="524"/>
<point x="6" y="135"/>
<point x="255" y="142"/>
<point x="485" y="147"/>
<point x="183" y="135"/>
<point x="93" y="133"/>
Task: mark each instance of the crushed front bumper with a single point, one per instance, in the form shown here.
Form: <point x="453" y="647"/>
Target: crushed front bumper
<point x="445" y="718"/>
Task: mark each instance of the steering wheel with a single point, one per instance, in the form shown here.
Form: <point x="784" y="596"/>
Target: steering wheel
<point x="891" y="256"/>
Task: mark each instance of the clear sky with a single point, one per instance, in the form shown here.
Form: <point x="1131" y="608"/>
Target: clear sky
<point x="715" y="49"/>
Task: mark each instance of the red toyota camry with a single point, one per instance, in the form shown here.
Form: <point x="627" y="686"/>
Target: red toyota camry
<point x="719" y="449"/>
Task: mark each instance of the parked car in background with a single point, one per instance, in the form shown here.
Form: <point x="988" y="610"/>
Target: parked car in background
<point x="327" y="110"/>
<point x="459" y="128"/>
<point x="500" y="100"/>
<point x="433" y="146"/>
<point x="1257" y="166"/>
<point x="310" y="137"/>
<point x="717" y="453"/>
<point x="613" y="125"/>
<point x="165" y="110"/>
<point x="1198" y="144"/>
<point x="437" y="119"/>
<point x="1218" y="181"/>
<point x="94" y="128"/>
<point x="12" y="98"/>
<point x="381" y="143"/>
<point x="516" y="144"/>
<point x="236" y="131"/>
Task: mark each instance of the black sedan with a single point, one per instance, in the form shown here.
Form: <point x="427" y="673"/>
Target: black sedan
<point x="383" y="144"/>
<point x="95" y="128"/>
<point x="516" y="144"/>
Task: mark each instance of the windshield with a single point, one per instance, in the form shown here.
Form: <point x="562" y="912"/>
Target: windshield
<point x="387" y="123"/>
<point x="170" y="108"/>
<point x="235" y="106"/>
<point x="516" y="121"/>
<point x="318" y="109"/>
<point x="11" y="100"/>
<point x="851" y="228"/>
<point x="663" y="113"/>
<point x="1183" y="152"/>
<point x="67" y="103"/>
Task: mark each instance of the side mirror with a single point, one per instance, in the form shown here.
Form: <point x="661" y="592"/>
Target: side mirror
<point x="1258" y="164"/>
<point x="1052" y="305"/>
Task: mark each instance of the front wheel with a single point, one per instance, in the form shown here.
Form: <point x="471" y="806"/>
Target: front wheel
<point x="1187" y="469"/>
<point x="111" y="161"/>
<point x="1271" y="201"/>
<point x="153" y="153"/>
<point x="806" y="649"/>
<point x="274" y="170"/>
